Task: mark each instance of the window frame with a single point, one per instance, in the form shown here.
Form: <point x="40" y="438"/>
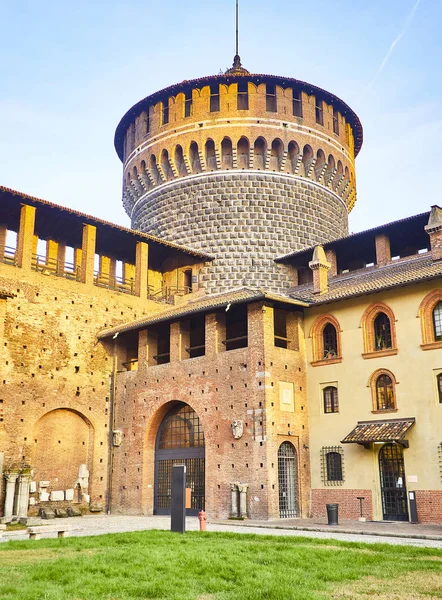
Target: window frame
<point x="425" y="313"/>
<point x="368" y="319"/>
<point x="334" y="400"/>
<point x="334" y="451"/>
<point x="317" y="335"/>
<point x="373" y="384"/>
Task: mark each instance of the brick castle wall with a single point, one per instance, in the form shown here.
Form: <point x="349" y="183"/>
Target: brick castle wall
<point x="246" y="219"/>
<point x="429" y="506"/>
<point x="349" y="506"/>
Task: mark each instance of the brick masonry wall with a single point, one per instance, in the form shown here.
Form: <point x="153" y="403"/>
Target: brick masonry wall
<point x="429" y="506"/>
<point x="349" y="506"/>
<point x="246" y="220"/>
<point x="55" y="378"/>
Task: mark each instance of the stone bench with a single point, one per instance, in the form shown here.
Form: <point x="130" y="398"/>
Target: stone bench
<point x="35" y="532"/>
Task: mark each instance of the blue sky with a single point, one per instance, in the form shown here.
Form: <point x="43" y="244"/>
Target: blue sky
<point x="70" y="70"/>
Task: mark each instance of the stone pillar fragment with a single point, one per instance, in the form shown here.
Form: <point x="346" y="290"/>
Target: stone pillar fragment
<point x="234" y="490"/>
<point x="25" y="237"/>
<point x="23" y="495"/>
<point x="242" y="488"/>
<point x="11" y="479"/>
<point x="88" y="254"/>
<point x="141" y="269"/>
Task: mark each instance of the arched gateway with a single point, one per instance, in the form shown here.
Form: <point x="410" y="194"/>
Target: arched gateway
<point x="180" y="441"/>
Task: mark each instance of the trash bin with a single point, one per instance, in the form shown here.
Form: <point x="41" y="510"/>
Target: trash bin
<point x="332" y="514"/>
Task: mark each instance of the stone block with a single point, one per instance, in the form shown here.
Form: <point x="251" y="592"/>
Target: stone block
<point x="47" y="513"/>
<point x="71" y="511"/>
<point x="32" y="487"/>
<point x="43" y="496"/>
<point x="69" y="494"/>
<point x="60" y="513"/>
<point x="57" y="496"/>
<point x="44" y="484"/>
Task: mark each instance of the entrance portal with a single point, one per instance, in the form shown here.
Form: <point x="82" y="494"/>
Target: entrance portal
<point x="393" y="488"/>
<point x="180" y="441"/>
<point x="288" y="481"/>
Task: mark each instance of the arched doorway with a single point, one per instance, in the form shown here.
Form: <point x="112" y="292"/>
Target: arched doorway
<point x="180" y="441"/>
<point x="393" y="488"/>
<point x="288" y="481"/>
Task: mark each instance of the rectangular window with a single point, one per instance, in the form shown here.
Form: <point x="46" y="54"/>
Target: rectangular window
<point x="280" y="327"/>
<point x="319" y="111"/>
<point x="188" y="104"/>
<point x="330" y="396"/>
<point x="335" y="122"/>
<point x="165" y="111"/>
<point x="243" y="95"/>
<point x="236" y="327"/>
<point x="297" y="103"/>
<point x="332" y="465"/>
<point x="163" y="344"/>
<point x="214" y="98"/>
<point x="271" y="104"/>
<point x="197" y="337"/>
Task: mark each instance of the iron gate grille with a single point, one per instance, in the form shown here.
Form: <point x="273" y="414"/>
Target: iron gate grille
<point x="393" y="489"/>
<point x="195" y="477"/>
<point x="288" y="481"/>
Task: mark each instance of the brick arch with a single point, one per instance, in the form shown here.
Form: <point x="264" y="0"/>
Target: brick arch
<point x="62" y="440"/>
<point x="425" y="314"/>
<point x="372" y="380"/>
<point x="316" y="333"/>
<point x="368" y="334"/>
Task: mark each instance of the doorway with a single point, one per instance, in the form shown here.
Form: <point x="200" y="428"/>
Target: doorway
<point x="180" y="441"/>
<point x="393" y="487"/>
<point x="288" y="481"/>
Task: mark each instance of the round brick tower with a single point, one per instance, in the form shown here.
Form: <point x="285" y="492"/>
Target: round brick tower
<point x="246" y="167"/>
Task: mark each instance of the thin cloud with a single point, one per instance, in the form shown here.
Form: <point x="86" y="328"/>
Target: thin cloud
<point x="393" y="45"/>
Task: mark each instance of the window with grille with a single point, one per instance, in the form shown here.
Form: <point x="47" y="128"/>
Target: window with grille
<point x="384" y="393"/>
<point x="382" y="332"/>
<point x="181" y="429"/>
<point x="329" y="341"/>
<point x="332" y="465"/>
<point x="437" y="321"/>
<point x="330" y="395"/>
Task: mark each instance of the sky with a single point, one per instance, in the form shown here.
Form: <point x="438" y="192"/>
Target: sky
<point x="70" y="70"/>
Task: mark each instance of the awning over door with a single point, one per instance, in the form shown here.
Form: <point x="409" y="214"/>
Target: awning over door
<point x="393" y="430"/>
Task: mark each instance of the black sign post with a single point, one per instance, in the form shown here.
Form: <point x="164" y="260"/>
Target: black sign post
<point x="178" y="501"/>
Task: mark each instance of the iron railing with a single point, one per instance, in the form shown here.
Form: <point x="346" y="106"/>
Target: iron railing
<point x="8" y="255"/>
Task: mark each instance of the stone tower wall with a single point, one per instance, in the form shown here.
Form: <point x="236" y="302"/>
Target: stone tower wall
<point x="245" y="220"/>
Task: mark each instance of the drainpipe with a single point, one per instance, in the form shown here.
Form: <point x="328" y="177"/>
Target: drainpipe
<point x="113" y="385"/>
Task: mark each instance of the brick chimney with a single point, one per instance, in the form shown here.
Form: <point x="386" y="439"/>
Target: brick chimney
<point x="320" y="268"/>
<point x="434" y="230"/>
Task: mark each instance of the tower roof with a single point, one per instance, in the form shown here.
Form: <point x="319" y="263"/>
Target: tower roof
<point x="233" y="75"/>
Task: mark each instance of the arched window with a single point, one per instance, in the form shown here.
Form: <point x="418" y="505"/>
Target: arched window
<point x="181" y="429"/>
<point x="430" y="313"/>
<point x="154" y="169"/>
<point x="437" y="321"/>
<point x="330" y="396"/>
<point x="195" y="158"/>
<point x="326" y="340"/>
<point x="307" y="156"/>
<point x="226" y="153"/>
<point x="259" y="153"/>
<point x="382" y="331"/>
<point x="243" y="153"/>
<point x="379" y="331"/>
<point x="179" y="161"/>
<point x="167" y="170"/>
<point x="329" y="341"/>
<point x="210" y="155"/>
<point x="292" y="158"/>
<point x="276" y="155"/>
<point x="384" y="393"/>
<point x="383" y="390"/>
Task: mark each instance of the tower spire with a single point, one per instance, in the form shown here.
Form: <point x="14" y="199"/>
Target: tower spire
<point x="237" y="68"/>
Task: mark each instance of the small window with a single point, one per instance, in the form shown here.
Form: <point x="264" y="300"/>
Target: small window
<point x="243" y="95"/>
<point x="335" y="122"/>
<point x="280" y="328"/>
<point x="330" y="394"/>
<point x="236" y="327"/>
<point x="329" y="341"/>
<point x="437" y="321"/>
<point x="297" y="103"/>
<point x="384" y="393"/>
<point x="165" y="112"/>
<point x="332" y="465"/>
<point x="319" y="111"/>
<point x="271" y="103"/>
<point x="214" y="98"/>
<point x="188" y="104"/>
<point x="439" y="387"/>
<point x="382" y="332"/>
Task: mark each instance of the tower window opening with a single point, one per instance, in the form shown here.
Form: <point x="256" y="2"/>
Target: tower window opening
<point x="162" y="332"/>
<point x="214" y="98"/>
<point x="188" y="104"/>
<point x="226" y="154"/>
<point x="243" y="95"/>
<point x="236" y="327"/>
<point x="297" y="103"/>
<point x="335" y="122"/>
<point x="197" y="337"/>
<point x="280" y="328"/>
<point x="319" y="111"/>
<point x="271" y="103"/>
<point x="165" y="112"/>
<point x="211" y="155"/>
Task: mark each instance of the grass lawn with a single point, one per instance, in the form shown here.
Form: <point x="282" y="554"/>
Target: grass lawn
<point x="215" y="566"/>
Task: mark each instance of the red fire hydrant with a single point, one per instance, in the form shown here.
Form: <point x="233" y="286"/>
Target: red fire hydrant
<point x="202" y="517"/>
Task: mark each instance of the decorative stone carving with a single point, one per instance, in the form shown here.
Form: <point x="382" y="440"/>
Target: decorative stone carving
<point x="117" y="437"/>
<point x="237" y="428"/>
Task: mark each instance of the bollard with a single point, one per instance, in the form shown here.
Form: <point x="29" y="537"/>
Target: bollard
<point x="202" y="517"/>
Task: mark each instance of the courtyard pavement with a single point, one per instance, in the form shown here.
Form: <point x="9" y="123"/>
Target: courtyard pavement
<point x="429" y="536"/>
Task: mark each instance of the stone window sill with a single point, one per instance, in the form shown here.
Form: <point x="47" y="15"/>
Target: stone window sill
<point x="382" y="412"/>
<point x="380" y="353"/>
<point x="326" y="361"/>
<point x="432" y="345"/>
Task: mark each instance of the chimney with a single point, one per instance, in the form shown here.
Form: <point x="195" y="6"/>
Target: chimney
<point x="434" y="230"/>
<point x="320" y="268"/>
<point x="383" y="252"/>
